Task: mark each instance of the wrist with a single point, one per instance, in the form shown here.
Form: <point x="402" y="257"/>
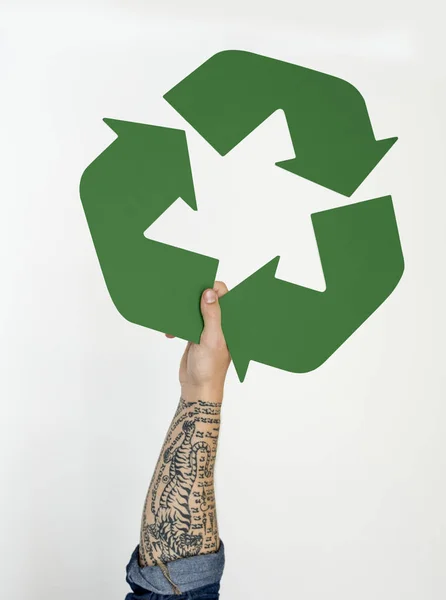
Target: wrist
<point x="208" y="392"/>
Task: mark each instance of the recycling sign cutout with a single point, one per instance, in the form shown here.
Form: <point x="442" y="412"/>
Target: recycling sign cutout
<point x="147" y="168"/>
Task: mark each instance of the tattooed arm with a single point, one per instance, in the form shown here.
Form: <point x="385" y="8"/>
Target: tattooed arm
<point x="179" y="518"/>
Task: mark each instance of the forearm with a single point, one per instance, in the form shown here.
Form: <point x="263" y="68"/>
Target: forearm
<point x="179" y="518"/>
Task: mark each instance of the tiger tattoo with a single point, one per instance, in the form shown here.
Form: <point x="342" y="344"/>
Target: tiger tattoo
<point x="170" y="534"/>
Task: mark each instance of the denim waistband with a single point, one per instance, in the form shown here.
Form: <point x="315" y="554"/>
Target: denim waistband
<point x="186" y="573"/>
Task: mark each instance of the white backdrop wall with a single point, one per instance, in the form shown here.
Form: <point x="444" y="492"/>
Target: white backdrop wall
<point x="339" y="489"/>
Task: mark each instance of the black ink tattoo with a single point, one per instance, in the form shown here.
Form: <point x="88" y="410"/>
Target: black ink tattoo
<point x="179" y="519"/>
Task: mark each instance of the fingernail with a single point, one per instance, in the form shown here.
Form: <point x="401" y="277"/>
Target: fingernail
<point x="210" y="296"/>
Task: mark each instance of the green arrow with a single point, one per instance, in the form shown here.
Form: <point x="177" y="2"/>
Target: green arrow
<point x="233" y="92"/>
<point x="296" y="328"/>
<point x="123" y="191"/>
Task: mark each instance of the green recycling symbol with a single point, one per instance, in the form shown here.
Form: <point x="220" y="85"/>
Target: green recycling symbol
<point x="147" y="168"/>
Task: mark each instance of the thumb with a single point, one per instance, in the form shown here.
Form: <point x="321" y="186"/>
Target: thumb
<point x="210" y="309"/>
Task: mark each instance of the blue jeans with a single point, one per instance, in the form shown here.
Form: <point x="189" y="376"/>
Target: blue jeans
<point x="209" y="592"/>
<point x="197" y="578"/>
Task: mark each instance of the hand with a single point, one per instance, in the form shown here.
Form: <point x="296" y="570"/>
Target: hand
<point x="203" y="366"/>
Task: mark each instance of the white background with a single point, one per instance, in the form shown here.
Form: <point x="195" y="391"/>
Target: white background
<point x="330" y="484"/>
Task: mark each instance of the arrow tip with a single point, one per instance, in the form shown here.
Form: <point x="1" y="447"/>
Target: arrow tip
<point x="346" y="179"/>
<point x="385" y="145"/>
<point x="289" y="165"/>
<point x="270" y="268"/>
<point x="115" y="125"/>
<point x="241" y="367"/>
<point x="169" y="145"/>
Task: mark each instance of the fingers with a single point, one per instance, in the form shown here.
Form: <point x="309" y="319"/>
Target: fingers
<point x="220" y="288"/>
<point x="210" y="309"/>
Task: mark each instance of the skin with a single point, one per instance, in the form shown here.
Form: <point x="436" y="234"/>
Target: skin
<point x="179" y="518"/>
